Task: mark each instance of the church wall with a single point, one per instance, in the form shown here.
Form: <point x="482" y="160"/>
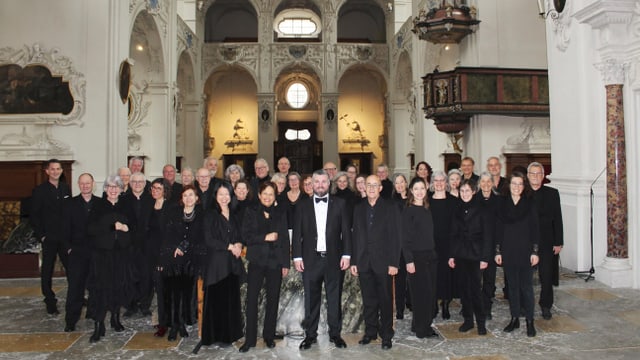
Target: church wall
<point x="78" y="30"/>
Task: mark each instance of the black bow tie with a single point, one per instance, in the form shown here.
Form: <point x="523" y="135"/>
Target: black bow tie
<point x="318" y="199"/>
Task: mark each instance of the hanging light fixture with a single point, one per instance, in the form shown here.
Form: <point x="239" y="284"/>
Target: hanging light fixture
<point x="447" y="24"/>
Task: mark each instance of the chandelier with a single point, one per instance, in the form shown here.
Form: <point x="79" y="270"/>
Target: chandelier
<point x="447" y="24"/>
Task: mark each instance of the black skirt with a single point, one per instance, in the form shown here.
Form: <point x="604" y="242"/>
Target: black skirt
<point x="222" y="313"/>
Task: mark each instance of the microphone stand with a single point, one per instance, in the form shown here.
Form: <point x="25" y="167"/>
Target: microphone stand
<point x="592" y="270"/>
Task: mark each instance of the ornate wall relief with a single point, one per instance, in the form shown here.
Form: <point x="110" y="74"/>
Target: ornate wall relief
<point x="59" y="66"/>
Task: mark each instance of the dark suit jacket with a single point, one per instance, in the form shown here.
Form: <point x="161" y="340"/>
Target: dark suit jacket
<point x="46" y="213"/>
<point x="547" y="200"/>
<point x="254" y="229"/>
<point x="376" y="248"/>
<point x="76" y="217"/>
<point x="338" y="231"/>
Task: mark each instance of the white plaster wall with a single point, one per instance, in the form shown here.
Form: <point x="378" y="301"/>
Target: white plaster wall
<point x="80" y="30"/>
<point x="510" y="34"/>
<point x="578" y="142"/>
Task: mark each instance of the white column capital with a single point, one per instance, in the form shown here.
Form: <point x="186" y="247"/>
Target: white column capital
<point x="612" y="71"/>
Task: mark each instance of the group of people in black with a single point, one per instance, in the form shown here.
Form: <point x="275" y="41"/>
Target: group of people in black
<point x="184" y="243"/>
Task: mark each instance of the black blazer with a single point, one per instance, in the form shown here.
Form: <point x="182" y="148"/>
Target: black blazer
<point x="255" y="227"/>
<point x="379" y="247"/>
<point x="219" y="232"/>
<point x="471" y="232"/>
<point x="76" y="215"/>
<point x="337" y="232"/>
<point x="547" y="200"/>
<point x="47" y="210"/>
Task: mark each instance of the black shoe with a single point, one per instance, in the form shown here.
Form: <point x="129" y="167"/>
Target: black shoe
<point x="513" y="324"/>
<point x="482" y="330"/>
<point x="183" y="331"/>
<point x="466" y="326"/>
<point x="270" y="343"/>
<point x="338" y="341"/>
<point x="145" y="312"/>
<point x="366" y="339"/>
<point x="173" y="334"/>
<point x="546" y="313"/>
<point x="445" y="309"/>
<point x="115" y="322"/>
<point x="531" y="330"/>
<point x="98" y="331"/>
<point x="307" y="342"/>
<point x="52" y="308"/>
<point x="386" y="344"/>
<point x="400" y="316"/>
<point x="244" y="348"/>
<point x="69" y="328"/>
<point x="429" y="335"/>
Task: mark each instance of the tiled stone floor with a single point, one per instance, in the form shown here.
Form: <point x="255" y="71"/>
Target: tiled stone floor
<point x="591" y="321"/>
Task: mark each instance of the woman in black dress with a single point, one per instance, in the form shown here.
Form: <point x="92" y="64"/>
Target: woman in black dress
<point x="222" y="312"/>
<point x="268" y="252"/>
<point x="418" y="248"/>
<point x="442" y="205"/>
<point x="184" y="236"/>
<point x="470" y="254"/>
<point x="112" y="275"/>
<point x="517" y="239"/>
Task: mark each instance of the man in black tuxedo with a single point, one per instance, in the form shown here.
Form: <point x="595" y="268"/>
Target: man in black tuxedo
<point x="547" y="200"/>
<point x="321" y="248"/>
<point x="376" y="256"/>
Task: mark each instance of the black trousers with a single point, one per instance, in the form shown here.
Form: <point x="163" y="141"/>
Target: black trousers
<point x="147" y="282"/>
<point x="489" y="285"/>
<point x="401" y="287"/>
<point x="272" y="279"/>
<point x="548" y="261"/>
<point x="51" y="248"/>
<point x="312" y="280"/>
<point x="520" y="289"/>
<point x="177" y="295"/>
<point x="471" y="289"/>
<point x="77" y="275"/>
<point x="423" y="291"/>
<point x="377" y="301"/>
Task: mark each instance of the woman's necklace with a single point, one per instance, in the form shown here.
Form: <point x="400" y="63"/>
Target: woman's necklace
<point x="188" y="216"/>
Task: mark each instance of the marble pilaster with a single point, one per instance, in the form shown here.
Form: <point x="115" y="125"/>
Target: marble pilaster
<point x="617" y="222"/>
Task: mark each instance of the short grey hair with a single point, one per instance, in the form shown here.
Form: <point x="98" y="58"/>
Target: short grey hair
<point x="439" y="174"/>
<point x="535" y="164"/>
<point x="231" y="168"/>
<point x="113" y="180"/>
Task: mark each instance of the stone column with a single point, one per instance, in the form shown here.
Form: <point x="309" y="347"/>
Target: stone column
<point x="616" y="269"/>
<point x="617" y="234"/>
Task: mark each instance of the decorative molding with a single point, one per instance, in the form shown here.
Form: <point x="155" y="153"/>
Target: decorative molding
<point x="38" y="145"/>
<point x="561" y="25"/>
<point x="137" y="113"/>
<point x="59" y="65"/>
<point x="377" y="55"/>
<point x="215" y="55"/>
<point x="612" y="71"/>
<point x="534" y="138"/>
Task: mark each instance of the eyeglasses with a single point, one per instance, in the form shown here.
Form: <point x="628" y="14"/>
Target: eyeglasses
<point x="330" y="169"/>
<point x="535" y="173"/>
<point x="373" y="186"/>
<point x="157" y="188"/>
<point x="111" y="187"/>
<point x="260" y="167"/>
